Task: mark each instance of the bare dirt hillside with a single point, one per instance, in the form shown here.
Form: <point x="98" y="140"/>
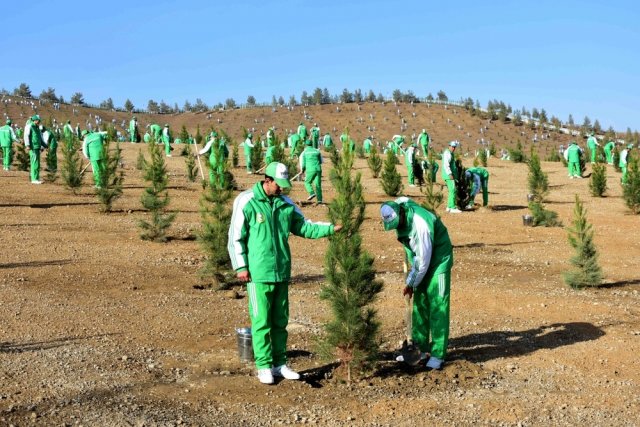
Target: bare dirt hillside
<point x="101" y="328"/>
<point x="382" y="121"/>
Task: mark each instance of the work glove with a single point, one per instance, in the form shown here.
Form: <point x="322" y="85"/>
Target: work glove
<point x="407" y="291"/>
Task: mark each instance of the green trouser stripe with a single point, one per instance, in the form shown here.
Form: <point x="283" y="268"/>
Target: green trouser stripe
<point x="451" y="199"/>
<point x="167" y="147"/>
<point x="431" y="314"/>
<point x="607" y="154"/>
<point x="593" y="155"/>
<point x="410" y="174"/>
<point x="269" y="312"/>
<point x="34" y="157"/>
<point x="97" y="166"/>
<point x="247" y="156"/>
<point x="314" y="179"/>
<point x="6" y="156"/>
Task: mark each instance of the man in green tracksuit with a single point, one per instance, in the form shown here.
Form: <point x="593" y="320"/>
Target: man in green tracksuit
<point x="147" y="136"/>
<point x="294" y="141"/>
<point x="327" y="141"/>
<point x="248" y="146"/>
<point x="68" y="131"/>
<point x="258" y="246"/>
<point x="572" y="156"/>
<point x="34" y="143"/>
<point x="398" y="141"/>
<point x="218" y="153"/>
<point x="51" y="141"/>
<point x="7" y="138"/>
<point x="623" y="163"/>
<point x="424" y="140"/>
<point x="410" y="160"/>
<point x="592" y="143"/>
<point x="133" y="130"/>
<point x="156" y="133"/>
<point x="480" y="177"/>
<point x="311" y="165"/>
<point x="166" y="139"/>
<point x="93" y="149"/>
<point x="367" y="144"/>
<point x="608" y="149"/>
<point x="271" y="135"/>
<point x="430" y="254"/>
<point x="302" y="131"/>
<point x="315" y="135"/>
<point x="449" y="172"/>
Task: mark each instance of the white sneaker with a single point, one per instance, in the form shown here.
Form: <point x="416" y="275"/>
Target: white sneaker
<point x="453" y="210"/>
<point x="169" y="155"/>
<point x="579" y="177"/>
<point x="285" y="372"/>
<point x="36" y="182"/>
<point x="423" y="357"/>
<point x="412" y="185"/>
<point x="434" y="363"/>
<point x="311" y="197"/>
<point x="265" y="376"/>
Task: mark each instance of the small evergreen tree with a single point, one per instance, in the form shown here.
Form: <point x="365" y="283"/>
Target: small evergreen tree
<point x="463" y="186"/>
<point x="375" y="162"/>
<point x="257" y="157"/>
<point x="351" y="287"/>
<point x="516" y="154"/>
<point x="538" y="180"/>
<point x="598" y="181"/>
<point x="482" y="157"/>
<point x="183" y="135"/>
<point x="192" y="168"/>
<point x="213" y="237"/>
<point x="140" y="161"/>
<point x="391" y="179"/>
<point x="51" y="166"/>
<point x="198" y="137"/>
<point x="360" y="151"/>
<point x="433" y="198"/>
<point x="155" y="198"/>
<point x="631" y="190"/>
<point x="72" y="169"/>
<point x="616" y="159"/>
<point x="22" y="157"/>
<point x="587" y="270"/>
<point x="111" y="181"/>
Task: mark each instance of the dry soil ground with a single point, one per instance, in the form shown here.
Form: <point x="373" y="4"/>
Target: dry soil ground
<point x="101" y="328"/>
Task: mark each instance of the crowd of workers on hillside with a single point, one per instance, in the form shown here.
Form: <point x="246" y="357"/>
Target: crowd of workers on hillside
<point x="264" y="211"/>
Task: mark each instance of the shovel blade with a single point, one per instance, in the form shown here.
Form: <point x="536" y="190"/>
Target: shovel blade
<point x="410" y="353"/>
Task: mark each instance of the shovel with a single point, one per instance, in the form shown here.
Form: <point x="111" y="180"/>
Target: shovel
<point x="410" y="352"/>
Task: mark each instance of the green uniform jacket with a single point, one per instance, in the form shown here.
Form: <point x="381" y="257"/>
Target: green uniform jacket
<point x="95" y="146"/>
<point x="315" y="133"/>
<point x="573" y="153"/>
<point x="259" y="234"/>
<point x="366" y="144"/>
<point x="156" y="131"/>
<point x="592" y="142"/>
<point x="310" y="160"/>
<point x="35" y="137"/>
<point x="423" y="138"/>
<point x="426" y="243"/>
<point x="327" y="141"/>
<point x="480" y="171"/>
<point x="6" y="136"/>
<point x="302" y="131"/>
<point x="448" y="164"/>
<point x="268" y="156"/>
<point x="609" y="146"/>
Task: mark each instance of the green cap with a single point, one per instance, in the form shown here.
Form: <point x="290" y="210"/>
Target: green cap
<point x="454" y="144"/>
<point x="628" y="146"/>
<point x="8" y="121"/>
<point x="34" y="118"/>
<point x="308" y="142"/>
<point x="166" y="125"/>
<point x="279" y="173"/>
<point x="390" y="212"/>
<point x="249" y="135"/>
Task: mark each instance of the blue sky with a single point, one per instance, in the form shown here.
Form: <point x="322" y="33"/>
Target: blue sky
<point x="568" y="57"/>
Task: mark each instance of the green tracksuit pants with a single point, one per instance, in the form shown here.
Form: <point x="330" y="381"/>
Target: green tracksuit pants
<point x="574" y="169"/>
<point x="624" y="174"/>
<point x="98" y="167"/>
<point x="410" y="174"/>
<point x="269" y="312"/>
<point x="313" y="179"/>
<point x="425" y="150"/>
<point x="34" y="157"/>
<point x="167" y="148"/>
<point x="609" y="155"/>
<point x="593" y="155"/>
<point x="431" y="314"/>
<point x="247" y="158"/>
<point x="484" y="183"/>
<point x="451" y="198"/>
<point x="6" y="156"/>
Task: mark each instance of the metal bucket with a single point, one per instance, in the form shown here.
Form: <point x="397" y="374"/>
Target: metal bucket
<point x="527" y="220"/>
<point x="245" y="344"/>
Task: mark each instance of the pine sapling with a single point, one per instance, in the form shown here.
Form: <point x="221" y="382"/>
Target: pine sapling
<point x="516" y="154"/>
<point x="351" y="287"/>
<point x="587" y="271"/>
<point x="111" y="180"/>
<point x="22" y="157"/>
<point x="140" y="161"/>
<point x="433" y="198"/>
<point x="463" y="186"/>
<point x="631" y="190"/>
<point x="51" y="160"/>
<point x="542" y="216"/>
<point x="537" y="180"/>
<point x="482" y="157"/>
<point x="191" y="166"/>
<point x="375" y="162"/>
<point x="215" y="214"/>
<point x="72" y="168"/>
<point x="155" y="198"/>
<point x="616" y="159"/>
<point x="598" y="181"/>
<point x="391" y="179"/>
<point x="257" y="158"/>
